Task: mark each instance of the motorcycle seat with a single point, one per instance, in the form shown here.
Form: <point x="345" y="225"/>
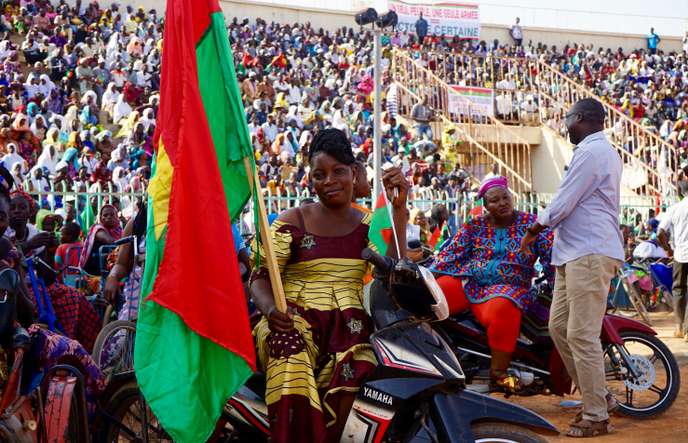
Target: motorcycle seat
<point x="531" y="327"/>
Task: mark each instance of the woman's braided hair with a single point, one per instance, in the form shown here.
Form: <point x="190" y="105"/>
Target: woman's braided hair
<point x="334" y="143"/>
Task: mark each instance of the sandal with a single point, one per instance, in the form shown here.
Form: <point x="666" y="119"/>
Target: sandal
<point x="612" y="407"/>
<point x="586" y="429"/>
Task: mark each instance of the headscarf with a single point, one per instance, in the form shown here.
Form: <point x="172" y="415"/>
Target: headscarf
<point x="17" y="125"/>
<point x="71" y="115"/>
<point x="38" y="132"/>
<point x="115" y="232"/>
<point x="498" y="181"/>
<point x="121" y="109"/>
<point x="47" y="160"/>
<point x="48" y="87"/>
<point x="119" y="178"/>
<point x="41" y="216"/>
<point x="11" y="159"/>
<point x="71" y="157"/>
<point x="52" y="137"/>
<point x="86" y="117"/>
<point x="92" y="95"/>
<point x="17" y="175"/>
<point x="110" y="95"/>
<point x="147" y="118"/>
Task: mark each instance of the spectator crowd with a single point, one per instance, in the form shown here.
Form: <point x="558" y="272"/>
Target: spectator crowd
<point x="78" y="98"/>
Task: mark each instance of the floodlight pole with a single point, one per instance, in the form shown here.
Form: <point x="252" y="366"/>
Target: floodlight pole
<point x="377" y="115"/>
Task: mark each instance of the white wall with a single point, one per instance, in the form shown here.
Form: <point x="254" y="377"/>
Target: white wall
<point x="548" y="161"/>
<point x="606" y="23"/>
<point x="669" y="17"/>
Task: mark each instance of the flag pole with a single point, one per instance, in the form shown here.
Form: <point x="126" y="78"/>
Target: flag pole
<point x="266" y="240"/>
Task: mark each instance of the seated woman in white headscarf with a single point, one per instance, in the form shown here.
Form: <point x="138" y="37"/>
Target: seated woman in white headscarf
<point x="110" y="97"/>
<point x="147" y="119"/>
<point x="13" y="158"/>
<point x="48" y="159"/>
<point x="17" y="176"/>
<point x="37" y="181"/>
<point x="46" y="86"/>
<point x="39" y="127"/>
<point x="121" y="110"/>
<point x="71" y="116"/>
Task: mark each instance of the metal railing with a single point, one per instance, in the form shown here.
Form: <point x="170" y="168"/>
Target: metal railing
<point x="57" y="198"/>
<point x="505" y="147"/>
<point x="424" y="198"/>
<point x="647" y="157"/>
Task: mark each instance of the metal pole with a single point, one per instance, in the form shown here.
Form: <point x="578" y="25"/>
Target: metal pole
<point x="377" y="112"/>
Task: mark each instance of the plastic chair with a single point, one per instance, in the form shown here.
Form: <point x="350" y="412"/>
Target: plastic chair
<point x="72" y="275"/>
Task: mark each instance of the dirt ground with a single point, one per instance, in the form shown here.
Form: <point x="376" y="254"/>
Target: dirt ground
<point x="671" y="426"/>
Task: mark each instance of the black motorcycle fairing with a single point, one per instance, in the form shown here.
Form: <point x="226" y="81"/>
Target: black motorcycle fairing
<point x="410" y="348"/>
<point x="453" y="414"/>
<point x="397" y="388"/>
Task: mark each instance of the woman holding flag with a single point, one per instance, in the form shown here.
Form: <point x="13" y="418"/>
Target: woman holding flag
<point x="483" y="270"/>
<point x="316" y="355"/>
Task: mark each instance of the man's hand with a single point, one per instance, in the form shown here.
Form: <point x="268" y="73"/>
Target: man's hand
<point x="526" y="241"/>
<point x="531" y="234"/>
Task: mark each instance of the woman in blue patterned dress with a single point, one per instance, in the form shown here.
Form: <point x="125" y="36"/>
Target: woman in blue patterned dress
<point x="482" y="269"/>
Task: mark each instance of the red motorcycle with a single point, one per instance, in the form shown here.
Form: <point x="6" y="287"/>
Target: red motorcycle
<point x="641" y="371"/>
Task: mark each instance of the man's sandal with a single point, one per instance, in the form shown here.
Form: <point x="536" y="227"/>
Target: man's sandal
<point x="587" y="429"/>
<point x="612" y="407"/>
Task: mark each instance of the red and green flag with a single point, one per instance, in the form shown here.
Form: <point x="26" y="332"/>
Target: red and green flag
<point x="381" y="224"/>
<point x="435" y="237"/>
<point x="477" y="209"/>
<point x="193" y="341"/>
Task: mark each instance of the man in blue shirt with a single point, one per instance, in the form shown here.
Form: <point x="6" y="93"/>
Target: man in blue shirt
<point x="652" y="41"/>
<point x="587" y="252"/>
<point x="421" y="28"/>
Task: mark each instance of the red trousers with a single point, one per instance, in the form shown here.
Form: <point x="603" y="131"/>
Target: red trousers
<point x="500" y="316"/>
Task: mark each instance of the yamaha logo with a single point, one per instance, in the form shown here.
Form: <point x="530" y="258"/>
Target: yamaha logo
<point x="377" y="396"/>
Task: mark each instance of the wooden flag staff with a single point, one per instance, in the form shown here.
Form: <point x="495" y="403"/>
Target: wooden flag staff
<point x="266" y="240"/>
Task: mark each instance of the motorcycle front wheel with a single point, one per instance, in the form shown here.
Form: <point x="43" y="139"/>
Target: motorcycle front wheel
<point x="504" y="433"/>
<point x="654" y="387"/>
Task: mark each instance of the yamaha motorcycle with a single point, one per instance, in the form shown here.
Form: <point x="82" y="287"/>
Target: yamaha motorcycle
<point x="417" y="393"/>
<point x="641" y="372"/>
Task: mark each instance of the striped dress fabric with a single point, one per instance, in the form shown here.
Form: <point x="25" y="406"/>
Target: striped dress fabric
<point x="329" y="355"/>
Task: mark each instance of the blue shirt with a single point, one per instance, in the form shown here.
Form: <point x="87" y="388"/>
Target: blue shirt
<point x="238" y="240"/>
<point x="652" y="41"/>
<point x="585" y="212"/>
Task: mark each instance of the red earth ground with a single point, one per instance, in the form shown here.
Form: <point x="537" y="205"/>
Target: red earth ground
<point x="671" y="426"/>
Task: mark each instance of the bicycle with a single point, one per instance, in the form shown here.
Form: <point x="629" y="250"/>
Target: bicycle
<point x="113" y="350"/>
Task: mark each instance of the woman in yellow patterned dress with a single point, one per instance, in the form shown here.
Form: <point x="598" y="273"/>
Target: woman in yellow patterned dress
<point x="316" y="355"/>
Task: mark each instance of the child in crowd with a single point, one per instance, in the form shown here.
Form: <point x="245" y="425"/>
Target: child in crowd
<point x="67" y="254"/>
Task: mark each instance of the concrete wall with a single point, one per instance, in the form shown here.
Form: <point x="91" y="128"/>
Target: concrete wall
<point x="550" y="22"/>
<point x="548" y="161"/>
<point x="327" y="18"/>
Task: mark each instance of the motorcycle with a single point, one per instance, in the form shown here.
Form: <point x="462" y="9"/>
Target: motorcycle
<point x="641" y="372"/>
<point x="418" y="390"/>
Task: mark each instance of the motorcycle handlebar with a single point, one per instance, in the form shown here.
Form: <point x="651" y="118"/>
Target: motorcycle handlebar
<point x="125" y="240"/>
<point x="383" y="264"/>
